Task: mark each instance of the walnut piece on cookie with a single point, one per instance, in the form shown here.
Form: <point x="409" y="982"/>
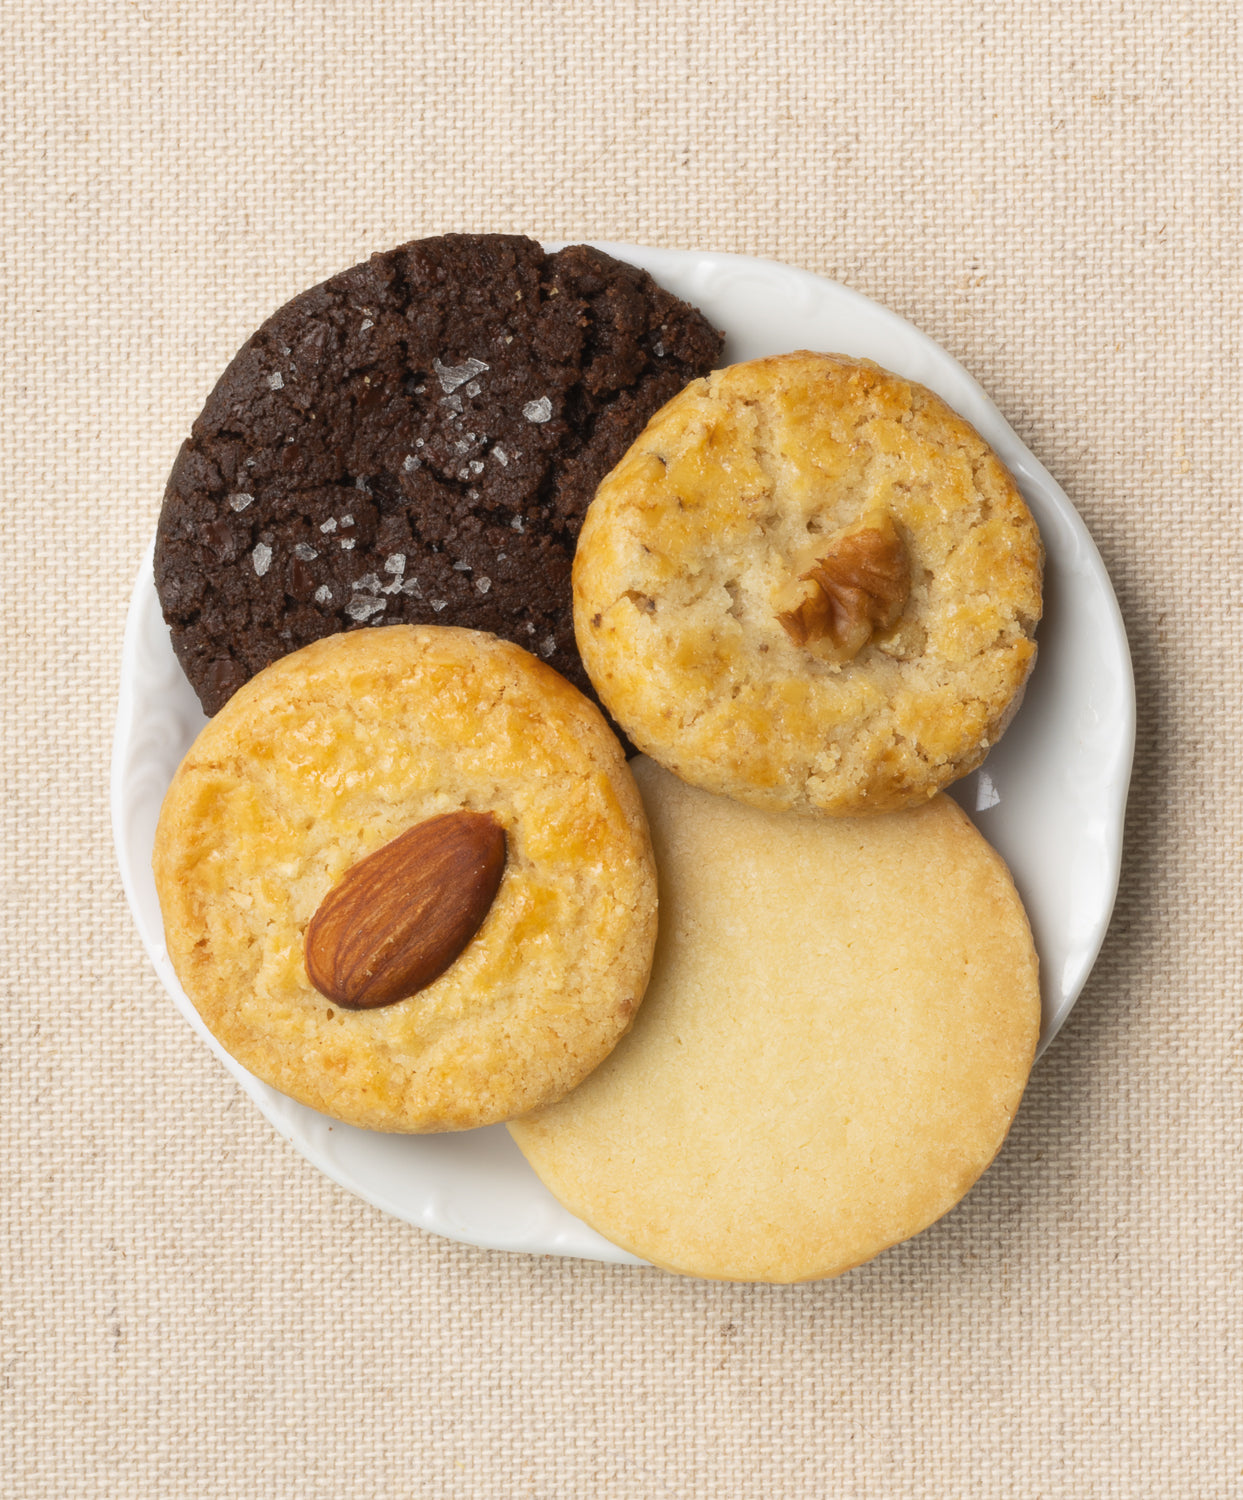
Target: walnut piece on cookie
<point x="810" y="585"/>
<point x="318" y="779"/>
<point x="857" y="585"/>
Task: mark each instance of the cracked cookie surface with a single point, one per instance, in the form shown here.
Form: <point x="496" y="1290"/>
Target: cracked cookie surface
<point x="705" y="547"/>
<point x="416" y="440"/>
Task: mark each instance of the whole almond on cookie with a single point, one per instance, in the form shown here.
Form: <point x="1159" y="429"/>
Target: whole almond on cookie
<point x="400" y="917"/>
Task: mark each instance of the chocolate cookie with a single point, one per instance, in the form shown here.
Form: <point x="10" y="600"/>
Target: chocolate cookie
<point x="415" y="440"/>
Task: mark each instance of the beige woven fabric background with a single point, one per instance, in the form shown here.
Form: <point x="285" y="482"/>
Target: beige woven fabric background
<point x="1051" y="191"/>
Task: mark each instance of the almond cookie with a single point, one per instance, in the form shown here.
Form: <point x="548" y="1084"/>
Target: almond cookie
<point x="444" y="833"/>
<point x="839" y="1026"/>
<point x="810" y="585"/>
<point x="416" y="440"/>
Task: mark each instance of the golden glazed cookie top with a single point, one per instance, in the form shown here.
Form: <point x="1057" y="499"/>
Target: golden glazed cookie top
<point x="810" y="585"/>
<point x="327" y="756"/>
<point x="840" y="1023"/>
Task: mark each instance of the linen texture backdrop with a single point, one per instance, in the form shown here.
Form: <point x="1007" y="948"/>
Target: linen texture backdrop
<point x="187" y="1309"/>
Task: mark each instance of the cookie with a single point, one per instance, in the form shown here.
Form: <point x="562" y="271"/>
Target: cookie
<point x="840" y="1022"/>
<point x="810" y="585"/>
<point x="331" y="757"/>
<point x="414" y="440"/>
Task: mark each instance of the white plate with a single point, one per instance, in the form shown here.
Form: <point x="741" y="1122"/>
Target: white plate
<point x="1050" y="797"/>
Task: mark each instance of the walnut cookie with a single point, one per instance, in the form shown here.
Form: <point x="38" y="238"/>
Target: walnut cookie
<point x="390" y="774"/>
<point x="414" y="441"/>
<point x="810" y="585"/>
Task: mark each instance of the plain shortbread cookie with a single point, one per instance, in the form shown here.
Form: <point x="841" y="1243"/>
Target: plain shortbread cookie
<point x="329" y="754"/>
<point x="693" y="544"/>
<point x="839" y="1026"/>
